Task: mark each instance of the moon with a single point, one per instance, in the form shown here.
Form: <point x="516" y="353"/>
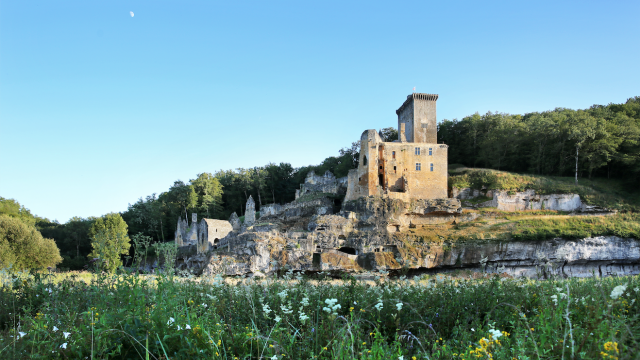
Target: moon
<point x="131" y="12"/>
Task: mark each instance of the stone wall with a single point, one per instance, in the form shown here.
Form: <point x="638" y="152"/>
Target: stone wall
<point x="400" y="170"/>
<point x="250" y="212"/>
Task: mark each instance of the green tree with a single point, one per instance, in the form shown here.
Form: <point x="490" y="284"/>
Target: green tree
<point x="209" y="191"/>
<point x="109" y="240"/>
<point x="23" y="247"/>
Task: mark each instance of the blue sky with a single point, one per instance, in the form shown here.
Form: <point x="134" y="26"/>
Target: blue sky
<point x="99" y="108"/>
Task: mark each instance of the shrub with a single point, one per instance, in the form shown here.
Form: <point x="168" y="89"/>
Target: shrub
<point x="23" y="247"/>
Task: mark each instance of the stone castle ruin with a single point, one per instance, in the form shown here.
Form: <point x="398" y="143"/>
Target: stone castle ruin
<point x="367" y="220"/>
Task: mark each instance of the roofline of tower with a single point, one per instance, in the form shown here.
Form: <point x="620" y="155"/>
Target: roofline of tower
<point x="419" y="96"/>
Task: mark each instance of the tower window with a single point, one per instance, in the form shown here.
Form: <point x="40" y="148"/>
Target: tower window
<point x="417" y="151"/>
<point x="430" y="152"/>
<point x="431" y="166"/>
<point x="393" y="154"/>
<point x="418" y="167"/>
<point x="364" y="160"/>
<point x="380" y="167"/>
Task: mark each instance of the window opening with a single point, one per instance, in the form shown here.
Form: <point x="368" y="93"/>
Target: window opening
<point x="418" y="167"/>
<point x="364" y="161"/>
<point x="431" y="166"/>
<point x="417" y="151"/>
<point x="430" y="152"/>
<point x="393" y="154"/>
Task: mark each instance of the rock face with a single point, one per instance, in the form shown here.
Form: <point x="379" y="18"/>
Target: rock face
<point x="526" y="200"/>
<point x="250" y="212"/>
<point x="599" y="256"/>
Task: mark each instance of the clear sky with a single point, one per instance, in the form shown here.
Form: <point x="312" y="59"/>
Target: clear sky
<point x="99" y="108"/>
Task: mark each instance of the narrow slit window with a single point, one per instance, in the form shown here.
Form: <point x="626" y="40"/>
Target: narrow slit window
<point x="417" y="151"/>
<point x="393" y="154"/>
<point x="418" y="167"/>
<point x="431" y="166"/>
<point x="430" y="152"/>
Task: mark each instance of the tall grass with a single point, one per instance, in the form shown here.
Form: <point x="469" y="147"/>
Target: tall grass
<point x="132" y="317"/>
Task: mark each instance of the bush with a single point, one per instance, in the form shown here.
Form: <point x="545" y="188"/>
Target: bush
<point x="23" y="247"/>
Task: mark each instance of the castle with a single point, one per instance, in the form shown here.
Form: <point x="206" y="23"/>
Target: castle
<point x="412" y="167"/>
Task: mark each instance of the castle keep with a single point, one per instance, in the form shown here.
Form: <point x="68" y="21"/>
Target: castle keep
<point x="412" y="167"/>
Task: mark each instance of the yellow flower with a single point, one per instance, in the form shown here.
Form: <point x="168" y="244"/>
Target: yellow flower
<point x="271" y="345"/>
<point x="324" y="348"/>
<point x="351" y="309"/>
<point x="364" y="343"/>
<point x="532" y="329"/>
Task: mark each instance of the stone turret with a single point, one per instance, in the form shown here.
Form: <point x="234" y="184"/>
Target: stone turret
<point x="250" y="212"/>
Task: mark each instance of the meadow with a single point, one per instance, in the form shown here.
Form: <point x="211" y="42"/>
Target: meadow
<point x="295" y="316"/>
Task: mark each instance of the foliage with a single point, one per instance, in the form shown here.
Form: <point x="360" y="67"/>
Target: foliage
<point x="109" y="241"/>
<point x="133" y="316"/>
<point x="23" y="247"/>
<point x="601" y="140"/>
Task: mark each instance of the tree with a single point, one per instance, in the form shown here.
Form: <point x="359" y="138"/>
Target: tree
<point x="23" y="247"/>
<point x="183" y="196"/>
<point x="109" y="240"/>
<point x="209" y="191"/>
<point x="389" y="134"/>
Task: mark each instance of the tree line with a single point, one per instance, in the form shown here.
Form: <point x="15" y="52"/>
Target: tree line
<point x="603" y="141"/>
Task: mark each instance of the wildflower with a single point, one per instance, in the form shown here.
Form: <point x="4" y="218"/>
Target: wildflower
<point x="495" y="333"/>
<point x="610" y="346"/>
<point x="188" y="327"/>
<point x="66" y="334"/>
<point x="21" y="334"/>
<point x="617" y="291"/>
<point x="278" y="318"/>
<point x="401" y="357"/>
<point x="274" y="357"/>
<point x="399" y="306"/>
<point x="179" y="327"/>
<point x="54" y="328"/>
<point x="379" y="305"/>
<point x="171" y="321"/>
<point x="303" y="317"/>
<point x="305" y="301"/>
<point x="555" y="299"/>
<point x="266" y="309"/>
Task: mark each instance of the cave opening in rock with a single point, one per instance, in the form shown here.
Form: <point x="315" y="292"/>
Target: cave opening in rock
<point x="348" y="250"/>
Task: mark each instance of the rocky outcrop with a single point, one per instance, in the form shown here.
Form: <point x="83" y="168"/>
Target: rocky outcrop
<point x="525" y="200"/>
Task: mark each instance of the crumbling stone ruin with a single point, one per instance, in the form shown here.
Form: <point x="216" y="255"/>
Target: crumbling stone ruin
<point x="367" y="221"/>
<point x="413" y="167"/>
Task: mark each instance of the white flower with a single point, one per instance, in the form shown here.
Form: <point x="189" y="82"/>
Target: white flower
<point x="21" y="334"/>
<point x="204" y="305"/>
<point x="277" y="318"/>
<point x="274" y="357"/>
<point x="378" y="306"/>
<point x="63" y="346"/>
<point x="55" y="328"/>
<point x="171" y="321"/>
<point x="66" y="334"/>
<point x="636" y="289"/>
<point x="495" y="333"/>
<point x="188" y="327"/>
<point x="472" y="329"/>
<point x="303" y="317"/>
<point x="179" y="328"/>
<point x="399" y="306"/>
<point x="266" y="309"/>
<point x="555" y="299"/>
<point x="305" y="302"/>
<point x="617" y="291"/>
<point x="401" y="357"/>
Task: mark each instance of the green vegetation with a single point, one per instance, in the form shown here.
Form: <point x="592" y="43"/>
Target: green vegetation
<point x="23" y="247"/>
<point x="495" y="225"/>
<point x="109" y="241"/>
<point x="600" y="141"/>
<point x="134" y="317"/>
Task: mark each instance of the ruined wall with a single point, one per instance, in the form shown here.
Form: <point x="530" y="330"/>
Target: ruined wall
<point x="210" y="232"/>
<point x="250" y="212"/>
<point x="391" y="169"/>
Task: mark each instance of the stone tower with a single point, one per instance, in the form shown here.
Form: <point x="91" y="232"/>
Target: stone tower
<point x="418" y="117"/>
<point x="250" y="212"/>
